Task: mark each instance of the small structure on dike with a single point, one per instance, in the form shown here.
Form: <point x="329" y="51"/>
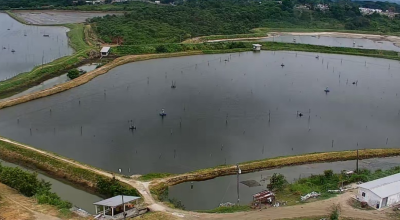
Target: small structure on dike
<point x="380" y="193"/>
<point x="104" y="51"/>
<point x="257" y="47"/>
<point x="116" y="207"/>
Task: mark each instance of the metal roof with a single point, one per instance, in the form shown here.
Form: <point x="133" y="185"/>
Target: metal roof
<point x="116" y="201"/>
<point x="384" y="187"/>
<point x="105" y="49"/>
<point x="257" y="45"/>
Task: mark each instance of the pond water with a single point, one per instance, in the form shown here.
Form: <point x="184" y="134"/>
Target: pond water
<point x="52" y="82"/>
<point x="209" y="194"/>
<point x="76" y="196"/>
<point x="335" y="42"/>
<point x="30" y="50"/>
<point x="218" y="113"/>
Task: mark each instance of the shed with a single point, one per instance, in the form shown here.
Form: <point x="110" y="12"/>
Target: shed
<point x="257" y="47"/>
<point x="380" y="193"/>
<point x="116" y="207"/>
<point x="104" y="51"/>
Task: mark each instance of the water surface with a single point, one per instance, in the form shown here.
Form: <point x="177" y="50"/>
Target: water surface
<point x="335" y="42"/>
<point x="209" y="194"/>
<point x="66" y="192"/>
<point x="30" y="46"/>
<point x="218" y="113"/>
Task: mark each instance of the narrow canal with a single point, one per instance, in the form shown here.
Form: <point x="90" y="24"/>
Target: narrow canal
<point x="66" y="192"/>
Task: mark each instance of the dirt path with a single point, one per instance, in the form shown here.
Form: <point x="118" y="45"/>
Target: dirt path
<point x="319" y="208"/>
<point x="374" y="37"/>
<point x="17" y="206"/>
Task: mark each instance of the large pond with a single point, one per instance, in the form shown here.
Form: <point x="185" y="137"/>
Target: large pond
<point x="66" y="192"/>
<point x="218" y="113"/>
<point x="335" y="42"/>
<point x="209" y="194"/>
<point x="30" y="46"/>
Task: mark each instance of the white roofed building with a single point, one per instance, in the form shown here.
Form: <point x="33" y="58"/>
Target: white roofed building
<point x="380" y="193"/>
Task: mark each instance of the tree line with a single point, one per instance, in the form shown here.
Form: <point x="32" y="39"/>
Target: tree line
<point x="149" y="23"/>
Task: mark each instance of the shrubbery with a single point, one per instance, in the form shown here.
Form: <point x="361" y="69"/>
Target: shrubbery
<point x="112" y="187"/>
<point x="72" y="74"/>
<point x="28" y="184"/>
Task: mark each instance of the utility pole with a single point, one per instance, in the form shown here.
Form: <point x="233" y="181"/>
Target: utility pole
<point x="357" y="162"/>
<point x="238" y="194"/>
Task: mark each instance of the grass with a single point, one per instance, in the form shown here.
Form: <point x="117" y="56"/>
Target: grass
<point x="269" y="163"/>
<point x="54" y="167"/>
<point x="231" y="209"/>
<point x="152" y="176"/>
<point x="266" y="30"/>
<point x="55" y="68"/>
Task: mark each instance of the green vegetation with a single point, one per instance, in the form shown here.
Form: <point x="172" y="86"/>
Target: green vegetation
<point x="74" y="174"/>
<point x="72" y="74"/>
<point x="41" y="73"/>
<point x="335" y="212"/>
<point x="327" y="181"/>
<point x="152" y="176"/>
<point x="28" y="184"/>
<point x="112" y="187"/>
<point x="231" y="209"/>
<point x="223" y="47"/>
<point x="194" y="18"/>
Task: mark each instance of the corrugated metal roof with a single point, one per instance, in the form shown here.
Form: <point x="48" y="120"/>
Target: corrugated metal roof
<point x="105" y="49"/>
<point x="116" y="201"/>
<point x="384" y="187"/>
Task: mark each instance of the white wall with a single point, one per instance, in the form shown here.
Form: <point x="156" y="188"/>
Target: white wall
<point x="393" y="199"/>
<point x="371" y="198"/>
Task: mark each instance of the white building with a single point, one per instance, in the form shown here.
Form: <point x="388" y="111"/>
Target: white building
<point x="257" y="47"/>
<point x="104" y="51"/>
<point x="380" y="193"/>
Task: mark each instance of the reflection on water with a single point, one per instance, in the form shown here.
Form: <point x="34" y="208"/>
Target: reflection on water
<point x="335" y="42"/>
<point x="218" y="113"/>
<point x="209" y="194"/>
<point x="31" y="47"/>
<point x="66" y="192"/>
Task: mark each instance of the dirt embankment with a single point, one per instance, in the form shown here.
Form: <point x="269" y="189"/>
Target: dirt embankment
<point x="89" y="76"/>
<point x="374" y="37"/>
<point x="158" y="186"/>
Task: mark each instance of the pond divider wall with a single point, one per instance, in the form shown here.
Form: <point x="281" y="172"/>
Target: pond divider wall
<point x="158" y="186"/>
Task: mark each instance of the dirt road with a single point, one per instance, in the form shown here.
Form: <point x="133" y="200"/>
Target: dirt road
<point x="319" y="208"/>
<point x="16" y="206"/>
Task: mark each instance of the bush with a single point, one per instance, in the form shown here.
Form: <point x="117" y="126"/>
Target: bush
<point x="112" y="187"/>
<point x="72" y="74"/>
<point x="277" y="182"/>
<point x="328" y="173"/>
<point x="28" y="184"/>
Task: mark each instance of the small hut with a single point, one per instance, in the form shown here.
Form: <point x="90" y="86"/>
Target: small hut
<point x="117" y="207"/>
<point x="257" y="47"/>
<point x="104" y="51"/>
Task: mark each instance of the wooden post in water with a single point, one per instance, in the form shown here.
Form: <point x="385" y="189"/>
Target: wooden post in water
<point x="332" y="143"/>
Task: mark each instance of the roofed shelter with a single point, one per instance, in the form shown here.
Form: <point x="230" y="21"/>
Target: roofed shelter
<point x="104" y="51"/>
<point x="380" y="193"/>
<point x="115" y="207"/>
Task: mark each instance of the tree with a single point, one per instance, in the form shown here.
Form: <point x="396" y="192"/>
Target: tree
<point x="277" y="182"/>
<point x="72" y="74"/>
